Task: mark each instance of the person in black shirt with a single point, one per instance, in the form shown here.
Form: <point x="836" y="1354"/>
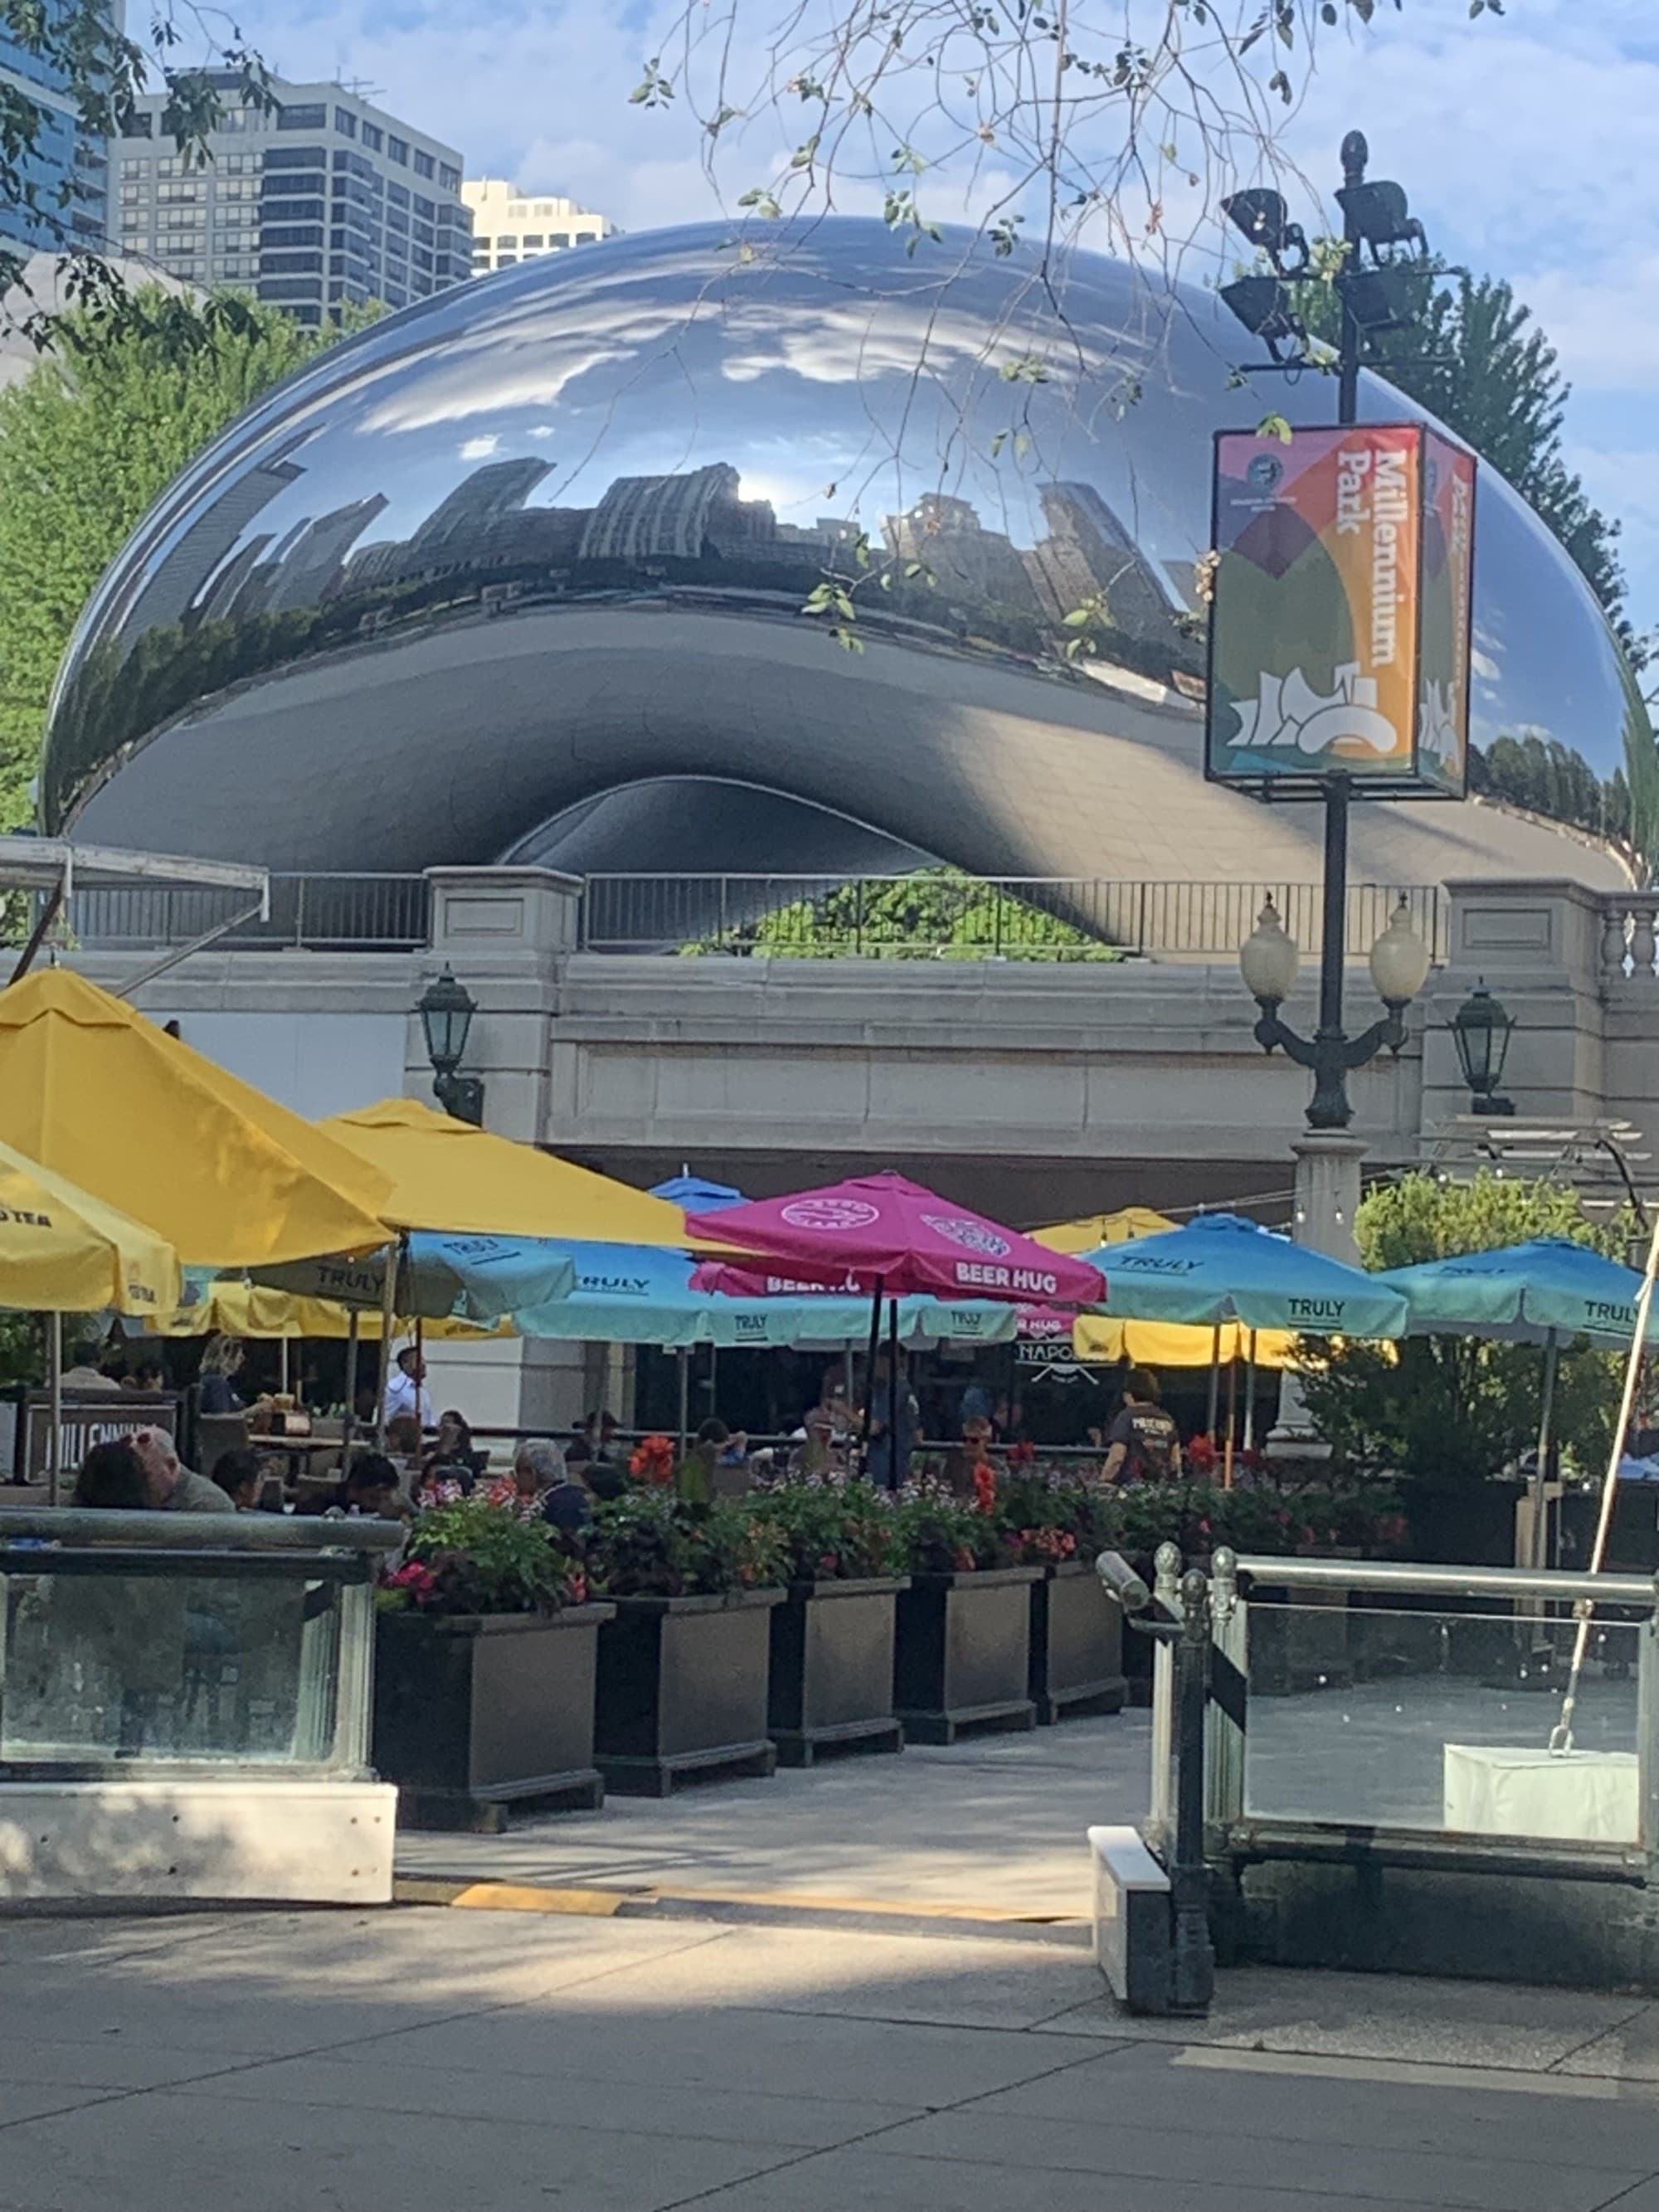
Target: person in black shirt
<point x="1143" y="1444"/>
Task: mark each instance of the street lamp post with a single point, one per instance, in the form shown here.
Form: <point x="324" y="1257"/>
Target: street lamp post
<point x="445" y="1008"/>
<point x="1373" y="296"/>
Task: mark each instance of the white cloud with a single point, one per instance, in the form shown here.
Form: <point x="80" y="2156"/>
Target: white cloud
<point x="480" y="449"/>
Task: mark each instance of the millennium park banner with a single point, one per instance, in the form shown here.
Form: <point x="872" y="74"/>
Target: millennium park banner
<point x="1340" y="623"/>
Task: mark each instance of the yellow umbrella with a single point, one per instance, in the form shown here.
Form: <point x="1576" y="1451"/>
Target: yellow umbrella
<point x="239" y="1309"/>
<point x="1153" y="1343"/>
<point x="449" y="1176"/>
<point x="63" y="1250"/>
<point x="98" y="1093"/>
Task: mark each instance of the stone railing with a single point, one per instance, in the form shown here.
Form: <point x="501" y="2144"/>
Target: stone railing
<point x="1630" y="937"/>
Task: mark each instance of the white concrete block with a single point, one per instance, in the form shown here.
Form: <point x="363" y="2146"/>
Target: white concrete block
<point x="228" y="1841"/>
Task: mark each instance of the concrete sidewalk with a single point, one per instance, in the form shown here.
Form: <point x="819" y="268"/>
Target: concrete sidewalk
<point x="424" y="2060"/>
<point x="993" y="1826"/>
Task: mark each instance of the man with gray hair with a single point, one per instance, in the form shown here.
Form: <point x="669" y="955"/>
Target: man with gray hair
<point x="540" y="1472"/>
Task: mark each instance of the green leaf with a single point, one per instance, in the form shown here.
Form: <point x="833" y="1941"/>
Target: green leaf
<point x="1274" y="426"/>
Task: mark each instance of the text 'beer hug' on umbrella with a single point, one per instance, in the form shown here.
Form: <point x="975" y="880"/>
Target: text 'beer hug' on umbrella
<point x="885" y="1233"/>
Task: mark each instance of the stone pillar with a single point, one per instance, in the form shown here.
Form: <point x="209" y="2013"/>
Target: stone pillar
<point x="505" y="933"/>
<point x="1322" y="1215"/>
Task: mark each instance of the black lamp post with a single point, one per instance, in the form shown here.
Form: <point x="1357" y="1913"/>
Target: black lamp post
<point x="445" y="1008"/>
<point x="1269" y="958"/>
<point x="1482" y="1030"/>
<point x="1375" y="296"/>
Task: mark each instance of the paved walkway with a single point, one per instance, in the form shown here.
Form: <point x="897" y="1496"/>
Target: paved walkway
<point x="995" y="1824"/>
<point x="419" y="2061"/>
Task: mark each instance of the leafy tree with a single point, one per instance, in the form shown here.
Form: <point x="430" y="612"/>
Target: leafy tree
<point x="1476" y="357"/>
<point x="1448" y="1410"/>
<point x="81" y="51"/>
<point x="91" y="436"/>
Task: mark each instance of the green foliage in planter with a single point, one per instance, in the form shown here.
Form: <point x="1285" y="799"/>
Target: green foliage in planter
<point x="474" y="1556"/>
<point x="1049" y="1516"/>
<point x="1199" y="1516"/>
<point x="649" y="1543"/>
<point x="940" y="1535"/>
<point x="831" y="1528"/>
<point x="1446" y="1411"/>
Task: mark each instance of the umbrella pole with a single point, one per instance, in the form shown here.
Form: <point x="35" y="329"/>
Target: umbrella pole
<point x="1232" y="1422"/>
<point x="388" y="1324"/>
<point x="1215" y="1381"/>
<point x="349" y="1423"/>
<point x="1249" y="1396"/>
<point x="683" y="1356"/>
<point x="420" y="1364"/>
<point x="893" y="1383"/>
<point x="1546" y="1412"/>
<point x="871" y="1351"/>
<point x="1561" y="1734"/>
<point x="55" y="1431"/>
<point x="282" y="1368"/>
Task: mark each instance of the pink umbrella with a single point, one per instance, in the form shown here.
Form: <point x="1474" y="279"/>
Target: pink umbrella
<point x="884" y="1235"/>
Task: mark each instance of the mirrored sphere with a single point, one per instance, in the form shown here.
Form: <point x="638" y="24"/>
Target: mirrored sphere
<point x="676" y="553"/>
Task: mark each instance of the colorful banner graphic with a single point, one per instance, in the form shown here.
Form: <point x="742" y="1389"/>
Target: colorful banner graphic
<point x="1335" y="557"/>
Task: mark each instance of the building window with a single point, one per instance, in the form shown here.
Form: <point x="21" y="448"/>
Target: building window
<point x="424" y="164"/>
<point x="584" y="237"/>
<point x="507" y="238"/>
<point x="372" y="136"/>
<point x="296" y="157"/>
<point x="345" y="123"/>
<point x="544" y="207"/>
<point x="506" y="261"/>
<point x="396" y="195"/>
<point x="399" y="149"/>
<point x="423" y="207"/>
<point x="536" y="242"/>
<point x="310" y="117"/>
<point x="561" y="238"/>
<point x="139" y="126"/>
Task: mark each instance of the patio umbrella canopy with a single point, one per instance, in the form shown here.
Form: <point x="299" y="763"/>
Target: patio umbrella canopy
<point x="1098" y="1337"/>
<point x="645" y="1296"/>
<point x="92" y="1091"/>
<point x="885" y="1233"/>
<point x="1222" y="1267"/>
<point x="452" y="1177"/>
<point x="439" y="1278"/>
<point x="63" y="1251"/>
<point x="1523" y="1291"/>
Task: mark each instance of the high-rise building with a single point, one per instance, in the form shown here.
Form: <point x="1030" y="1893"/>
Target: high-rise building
<point x="69" y="168"/>
<point x="510" y="226"/>
<point x="328" y="200"/>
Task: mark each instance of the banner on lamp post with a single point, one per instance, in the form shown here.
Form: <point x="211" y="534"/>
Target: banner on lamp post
<point x="1340" y="619"/>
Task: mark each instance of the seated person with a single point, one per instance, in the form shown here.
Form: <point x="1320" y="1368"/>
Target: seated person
<point x="452" y="1453"/>
<point x="111" y="1478"/>
<point x="963" y="1462"/>
<point x="241" y="1478"/>
<point x="604" y="1479"/>
<point x="371" y="1489"/>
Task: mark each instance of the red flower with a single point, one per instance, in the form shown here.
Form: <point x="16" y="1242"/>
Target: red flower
<point x="652" y="1460"/>
<point x="985" y="1487"/>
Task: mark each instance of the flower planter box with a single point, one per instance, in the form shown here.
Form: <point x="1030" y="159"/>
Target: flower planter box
<point x="682" y="1690"/>
<point x="1076" y="1644"/>
<point x="832" y="1669"/>
<point x="963" y="1656"/>
<point x="476" y="1712"/>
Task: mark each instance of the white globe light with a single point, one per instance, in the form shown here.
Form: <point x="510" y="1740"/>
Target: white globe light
<point x="1400" y="960"/>
<point x="1268" y="959"/>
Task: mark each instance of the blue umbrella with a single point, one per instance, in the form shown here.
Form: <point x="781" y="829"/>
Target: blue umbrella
<point x="1548" y="1284"/>
<point x="640" y="1294"/>
<point x="1539" y="1291"/>
<point x="439" y="1278"/>
<point x="693" y="1195"/>
<point x="1221" y="1267"/>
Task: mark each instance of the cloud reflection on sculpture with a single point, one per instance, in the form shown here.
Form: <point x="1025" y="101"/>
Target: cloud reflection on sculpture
<point x="546" y="538"/>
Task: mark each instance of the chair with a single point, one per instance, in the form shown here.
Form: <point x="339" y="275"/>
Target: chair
<point x="217" y="1434"/>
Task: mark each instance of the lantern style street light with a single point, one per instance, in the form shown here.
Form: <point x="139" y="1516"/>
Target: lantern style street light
<point x="445" y="1008"/>
<point x="1482" y="1030"/>
<point x="1269" y="959"/>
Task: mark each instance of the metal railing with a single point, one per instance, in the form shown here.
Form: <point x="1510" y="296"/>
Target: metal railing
<point x="313" y="913"/>
<point x="932" y="915"/>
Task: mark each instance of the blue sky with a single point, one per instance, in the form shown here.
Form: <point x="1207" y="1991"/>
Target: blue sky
<point x="1526" y="143"/>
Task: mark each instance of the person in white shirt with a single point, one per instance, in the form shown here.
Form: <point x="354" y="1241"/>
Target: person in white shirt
<point x="82" y="1373"/>
<point x="406" y="1388"/>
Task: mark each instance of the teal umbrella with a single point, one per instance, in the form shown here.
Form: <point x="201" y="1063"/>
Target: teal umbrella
<point x="1526" y="1291"/>
<point x="1221" y="1267"/>
<point x="439" y="1278"/>
<point x="641" y="1294"/>
<point x="1536" y="1292"/>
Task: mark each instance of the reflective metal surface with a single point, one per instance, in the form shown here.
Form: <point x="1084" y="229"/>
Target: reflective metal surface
<point x="519" y="571"/>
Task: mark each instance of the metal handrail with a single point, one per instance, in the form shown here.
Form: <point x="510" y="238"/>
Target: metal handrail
<point x="1402" y="1577"/>
<point x="190" y="1532"/>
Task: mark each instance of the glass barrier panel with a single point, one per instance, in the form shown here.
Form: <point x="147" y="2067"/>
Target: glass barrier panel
<point x="224" y="1667"/>
<point x="1365" y="1714"/>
